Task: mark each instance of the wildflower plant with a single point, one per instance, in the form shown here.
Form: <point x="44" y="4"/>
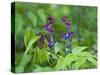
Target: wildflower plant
<point x="71" y="58"/>
<point x="50" y="29"/>
<point x="68" y="35"/>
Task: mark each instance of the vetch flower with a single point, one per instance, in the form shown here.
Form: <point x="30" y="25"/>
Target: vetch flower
<point x="68" y="35"/>
<point x="51" y="20"/>
<point x="64" y="19"/>
<point x="50" y="42"/>
<point x="42" y="39"/>
<point x="50" y="29"/>
<point x="49" y="25"/>
<point x="68" y="24"/>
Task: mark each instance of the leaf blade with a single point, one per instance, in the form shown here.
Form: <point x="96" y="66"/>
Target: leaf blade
<point x="31" y="42"/>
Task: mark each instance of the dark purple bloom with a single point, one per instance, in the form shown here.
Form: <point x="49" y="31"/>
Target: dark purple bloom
<point x="47" y="26"/>
<point x="50" y="43"/>
<point x="71" y="33"/>
<point x="42" y="39"/>
<point x="68" y="24"/>
<point x="51" y="20"/>
<point x="64" y="19"/>
<point x="51" y="30"/>
<point x="68" y="35"/>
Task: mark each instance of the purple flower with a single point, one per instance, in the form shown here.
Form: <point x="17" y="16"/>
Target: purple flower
<point x="51" y="20"/>
<point x="64" y="19"/>
<point x="49" y="28"/>
<point x="68" y="24"/>
<point x="42" y="39"/>
<point x="71" y="33"/>
<point x="68" y="35"/>
<point x="50" y="43"/>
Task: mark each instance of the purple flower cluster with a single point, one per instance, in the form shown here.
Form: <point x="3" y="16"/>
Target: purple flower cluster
<point x="69" y="34"/>
<point x="50" y="29"/>
<point x="42" y="39"/>
<point x="49" y="25"/>
<point x="67" y="22"/>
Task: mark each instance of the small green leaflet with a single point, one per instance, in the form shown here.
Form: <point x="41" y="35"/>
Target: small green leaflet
<point x="86" y="54"/>
<point x="78" y="49"/>
<point x="33" y="18"/>
<point x="42" y="16"/>
<point x="92" y="60"/>
<point x="31" y="42"/>
<point x="29" y="33"/>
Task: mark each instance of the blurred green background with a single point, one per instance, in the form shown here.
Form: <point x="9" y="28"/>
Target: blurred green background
<point x="34" y="15"/>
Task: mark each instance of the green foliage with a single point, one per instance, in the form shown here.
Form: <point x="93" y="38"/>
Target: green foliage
<point x="24" y="60"/>
<point x="30" y="39"/>
<point x="42" y="55"/>
<point x="76" y="59"/>
<point x="77" y="50"/>
<point x="33" y="18"/>
<point x="18" y="23"/>
<point x="29" y="33"/>
<point x="42" y="69"/>
<point x="42" y="16"/>
<point x="31" y="42"/>
<point x="19" y="69"/>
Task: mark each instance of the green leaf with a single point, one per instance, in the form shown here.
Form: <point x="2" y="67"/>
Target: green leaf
<point x="42" y="69"/>
<point x="79" y="49"/>
<point x="58" y="47"/>
<point x="92" y="60"/>
<point x="29" y="33"/>
<point x="25" y="59"/>
<point x="86" y="54"/>
<point x="42" y="16"/>
<point x="42" y="55"/>
<point x="63" y="62"/>
<point x="79" y="62"/>
<point x="69" y="59"/>
<point x="18" y="23"/>
<point x="19" y="69"/>
<point x="59" y="63"/>
<point x="33" y="18"/>
<point x="31" y="42"/>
